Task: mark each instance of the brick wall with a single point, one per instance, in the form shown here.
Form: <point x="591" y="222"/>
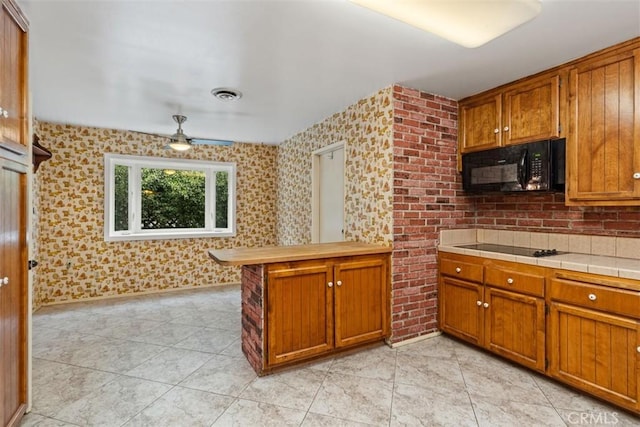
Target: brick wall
<point x="427" y="198"/>
<point x="547" y="213"/>
<point x="252" y="310"/>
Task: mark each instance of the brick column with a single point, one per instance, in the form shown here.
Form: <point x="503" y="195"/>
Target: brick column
<point x="427" y="198"/>
<point x="252" y="290"/>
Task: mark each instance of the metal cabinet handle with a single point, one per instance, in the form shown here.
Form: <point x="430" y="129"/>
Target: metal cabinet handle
<point x="339" y="283"/>
<point x="485" y="305"/>
<point x="592" y="297"/>
<point x="330" y="284"/>
<point x="496" y="130"/>
<point x="458" y="269"/>
<point x="506" y="128"/>
<point x="510" y="281"/>
<point x="479" y="303"/>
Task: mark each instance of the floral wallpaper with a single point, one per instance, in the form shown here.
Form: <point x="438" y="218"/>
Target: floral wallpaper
<point x="366" y="127"/>
<point x="74" y="260"/>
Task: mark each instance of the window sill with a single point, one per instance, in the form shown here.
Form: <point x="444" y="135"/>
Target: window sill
<point x="167" y="236"/>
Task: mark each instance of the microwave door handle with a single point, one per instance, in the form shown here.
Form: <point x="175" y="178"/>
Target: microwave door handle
<point x="523" y="169"/>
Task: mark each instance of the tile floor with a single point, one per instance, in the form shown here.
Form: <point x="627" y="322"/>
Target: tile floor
<point x="175" y="360"/>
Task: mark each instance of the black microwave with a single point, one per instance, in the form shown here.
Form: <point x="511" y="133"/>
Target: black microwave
<point x="536" y="166"/>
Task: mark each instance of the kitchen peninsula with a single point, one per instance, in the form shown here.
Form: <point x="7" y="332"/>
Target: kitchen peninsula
<point x="307" y="301"/>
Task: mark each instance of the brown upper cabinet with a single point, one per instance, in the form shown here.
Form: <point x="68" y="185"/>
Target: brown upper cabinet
<point x="13" y="75"/>
<point x="525" y="111"/>
<point x="603" y="148"/>
<point x="596" y="110"/>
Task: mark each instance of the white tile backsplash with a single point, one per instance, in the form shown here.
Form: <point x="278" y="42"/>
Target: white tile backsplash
<point x="603" y="245"/>
<point x="559" y="242"/>
<point x="627" y="247"/>
<point x="579" y="244"/>
<point x="505" y="237"/>
<point x="457" y="237"/>
<point x="522" y="239"/>
<point x="604" y="255"/>
<point x="540" y="241"/>
<point x="488" y="236"/>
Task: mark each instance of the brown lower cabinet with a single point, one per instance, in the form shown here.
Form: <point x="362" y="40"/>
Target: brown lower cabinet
<point x="494" y="306"/>
<point x="595" y="337"/>
<point x="582" y="329"/>
<point x="320" y="306"/>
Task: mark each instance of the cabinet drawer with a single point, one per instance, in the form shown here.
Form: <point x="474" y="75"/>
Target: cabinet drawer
<point x="603" y="298"/>
<point x="515" y="281"/>
<point x="461" y="270"/>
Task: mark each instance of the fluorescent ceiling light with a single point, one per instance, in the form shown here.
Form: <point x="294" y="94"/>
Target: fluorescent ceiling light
<point x="470" y="23"/>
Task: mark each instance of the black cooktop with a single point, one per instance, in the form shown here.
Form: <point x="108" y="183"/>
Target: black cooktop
<point x="512" y="250"/>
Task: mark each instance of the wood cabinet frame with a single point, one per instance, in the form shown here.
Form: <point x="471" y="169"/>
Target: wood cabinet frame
<point x="318" y="307"/>
<point x="586" y="327"/>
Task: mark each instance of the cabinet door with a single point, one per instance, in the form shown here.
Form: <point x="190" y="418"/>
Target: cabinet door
<point x="603" y="147"/>
<point x="461" y="309"/>
<point x="12" y="79"/>
<point x="300" y="314"/>
<point x="13" y="292"/>
<point x="531" y="111"/>
<point x="596" y="352"/>
<point x="361" y="301"/>
<point x="515" y="327"/>
<point x="480" y="124"/>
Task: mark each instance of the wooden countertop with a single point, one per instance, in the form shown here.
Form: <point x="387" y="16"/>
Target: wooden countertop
<point x="271" y="254"/>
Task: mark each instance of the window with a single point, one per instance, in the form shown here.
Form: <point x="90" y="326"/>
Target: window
<point x="157" y="198"/>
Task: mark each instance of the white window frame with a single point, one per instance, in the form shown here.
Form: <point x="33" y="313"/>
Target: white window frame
<point x="136" y="163"/>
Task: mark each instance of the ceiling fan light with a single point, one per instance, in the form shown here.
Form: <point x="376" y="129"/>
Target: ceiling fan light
<point x="469" y="23"/>
<point x="179" y="145"/>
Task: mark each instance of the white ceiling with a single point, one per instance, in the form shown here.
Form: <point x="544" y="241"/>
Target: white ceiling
<point x="132" y="64"/>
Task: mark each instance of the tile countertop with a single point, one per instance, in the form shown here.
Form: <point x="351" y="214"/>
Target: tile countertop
<point x="628" y="268"/>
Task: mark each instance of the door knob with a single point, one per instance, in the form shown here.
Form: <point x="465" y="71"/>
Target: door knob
<point x="339" y="283"/>
<point x="458" y="269"/>
<point x="636" y="175"/>
<point x="510" y="281"/>
<point x="330" y="284"/>
<point x="479" y="303"/>
<point x="485" y="305"/>
<point x="506" y="128"/>
<point x="496" y="130"/>
<point x="592" y="297"/>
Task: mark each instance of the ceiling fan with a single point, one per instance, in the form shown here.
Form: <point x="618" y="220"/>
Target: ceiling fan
<point x="181" y="142"/>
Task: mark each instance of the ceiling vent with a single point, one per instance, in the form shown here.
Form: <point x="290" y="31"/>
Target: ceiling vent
<point x="226" y="94"/>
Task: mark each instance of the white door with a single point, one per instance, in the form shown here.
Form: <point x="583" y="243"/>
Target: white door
<point x="330" y="201"/>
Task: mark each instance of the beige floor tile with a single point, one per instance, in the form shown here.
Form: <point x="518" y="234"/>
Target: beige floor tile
<point x="376" y="363"/>
<point x="170" y="366"/>
<point x="433" y="406"/>
<point x="244" y="413"/>
<point x="317" y="420"/>
<point x="166" y="334"/>
<point x="56" y="384"/>
<point x="182" y="407"/>
<point x="35" y="420"/>
<point x="416" y="369"/>
<point x="210" y="340"/>
<point x="354" y="398"/>
<point x="508" y="413"/>
<point x="113" y="403"/>
<point x="221" y="374"/>
<point x="293" y="389"/>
